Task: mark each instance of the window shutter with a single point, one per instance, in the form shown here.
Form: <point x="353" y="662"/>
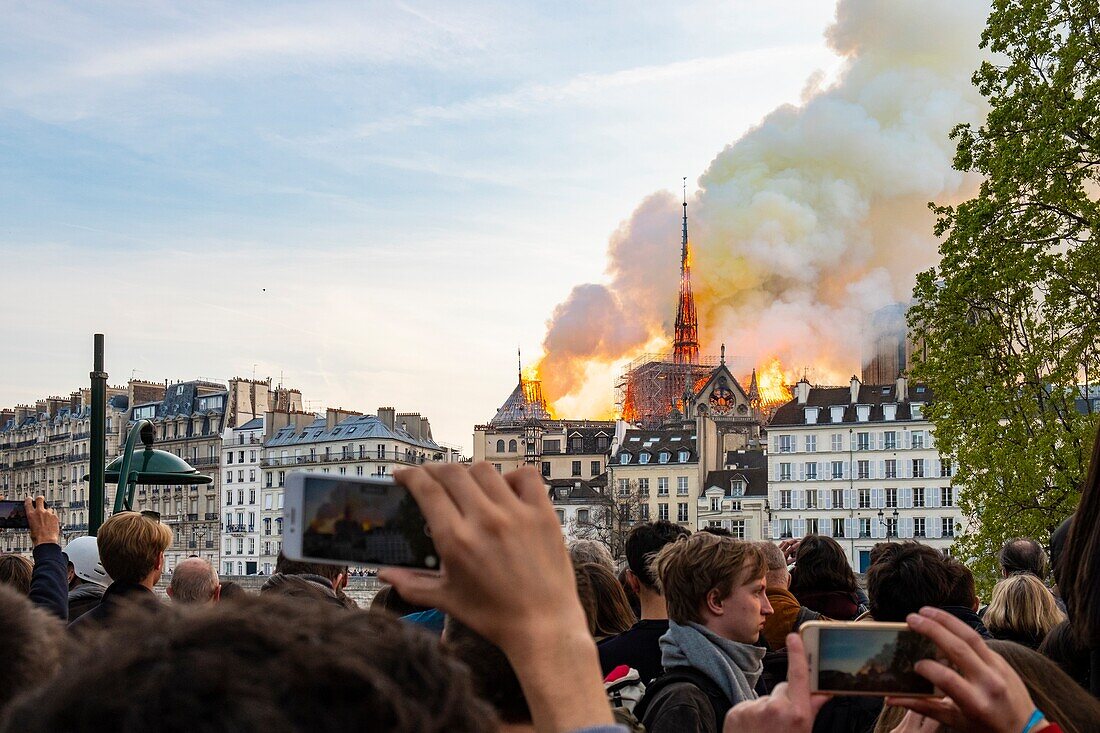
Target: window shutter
<point x="775" y="528"/>
<point x="905" y="498"/>
<point x="822" y="467"/>
<point x="847" y="470"/>
<point x="825" y="527"/>
<point x="800" y="528"/>
<point x="828" y="504"/>
<point x="850" y="528"/>
<point x="932" y="527"/>
<point x="908" y="441"/>
<point x="881" y="441"/>
<point x="775" y="443"/>
<point x="801" y="471"/>
<point x="933" y="497"/>
<point x="881" y="470"/>
<point x="905" y="527"/>
<point x="878" y="498"/>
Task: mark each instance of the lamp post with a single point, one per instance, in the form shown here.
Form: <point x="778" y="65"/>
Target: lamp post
<point x="154" y="467"/>
<point x="883" y="521"/>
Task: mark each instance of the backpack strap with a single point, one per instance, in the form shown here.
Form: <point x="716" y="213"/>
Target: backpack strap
<point x="719" y="702"/>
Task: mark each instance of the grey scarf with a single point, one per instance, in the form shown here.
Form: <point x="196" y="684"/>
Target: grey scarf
<point x="734" y="667"/>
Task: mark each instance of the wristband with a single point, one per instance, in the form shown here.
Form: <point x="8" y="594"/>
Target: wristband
<point x="1036" y="718"/>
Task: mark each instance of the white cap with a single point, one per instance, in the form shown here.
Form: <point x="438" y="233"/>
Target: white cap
<point x="83" y="553"/>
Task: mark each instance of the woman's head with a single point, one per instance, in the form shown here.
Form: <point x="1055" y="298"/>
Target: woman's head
<point x="1062" y="647"/>
<point x="1023" y="607"/>
<point x="821" y="566"/>
<point x="1052" y="690"/>
<point x="15" y="571"/>
<point x="607" y="608"/>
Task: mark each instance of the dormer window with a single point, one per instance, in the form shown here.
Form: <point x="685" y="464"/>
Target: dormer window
<point x="663" y="456"/>
<point x="643" y="458"/>
<point x="837" y="413"/>
<point x="863" y="413"/>
<point x="889" y="411"/>
<point x="624" y="458"/>
<point x="811" y="415"/>
<point x="683" y="457"/>
<point x="916" y="410"/>
<point x="737" y="487"/>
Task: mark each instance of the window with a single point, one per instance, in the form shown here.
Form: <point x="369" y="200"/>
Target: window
<point x="784" y="472"/>
<point x="917" y="439"/>
<point x="916" y="409"/>
<point x="251" y="474"/>
<point x="240" y="475"/>
<point x="947" y="527"/>
<point x="737" y="529"/>
<point x="546" y="469"/>
<point x="785" y="528"/>
<point x="811" y="471"/>
<point x="551" y="446"/>
<point x="918" y="468"/>
<point x="643" y="486"/>
<point x="863" y="441"/>
<point x="838" y="498"/>
<point x="380" y="452"/>
<point x="561" y="516"/>
<point x="811" y="443"/>
<point x="863" y="469"/>
<point x="282" y="477"/>
<point x="602" y="442"/>
<point x="948" y="493"/>
<point x="594" y="468"/>
<point x="576" y="468"/>
<point x="786" y="443"/>
<point x="662" y="486"/>
<point x="663" y="456"/>
<point x="811" y="526"/>
<point x="891" y="498"/>
<point x="838" y="528"/>
<point x="662" y="511"/>
<point x="240" y="496"/>
<point x="624" y="487"/>
<point x="891" y="468"/>
<point x="864" y="527"/>
<point x="576" y="444"/>
<point x="864" y="498"/>
<point x="890" y="440"/>
<point x="715" y="503"/>
<point x="682" y="511"/>
<point x="229" y="477"/>
<point x="358" y="470"/>
<point x="512" y="446"/>
<point x="683" y="456"/>
<point x="837" y="441"/>
<point x="229" y="497"/>
<point x="582" y="516"/>
<point x="229" y="457"/>
<point x="918" y="496"/>
<point x="643" y="457"/>
<point x="643" y="512"/>
<point x="240" y="455"/>
<point x="945" y="469"/>
<point x="918" y="527"/>
<point x="681" y="486"/>
<point x="624" y="458"/>
<point x="811" y="499"/>
<point x="785" y="499"/>
<point x="837" y="469"/>
<point x="500" y="447"/>
<point x="891" y="527"/>
<point x="252" y="496"/>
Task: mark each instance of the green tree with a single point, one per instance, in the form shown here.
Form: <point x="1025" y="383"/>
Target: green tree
<point x="1010" y="319"/>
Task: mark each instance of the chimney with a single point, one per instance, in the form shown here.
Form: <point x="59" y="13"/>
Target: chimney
<point x="53" y="405"/>
<point x="40" y="407"/>
<point x="425" y="429"/>
<point x="74" y="402"/>
<point x="854" y="389"/>
<point x="6" y="415"/>
<point x="21" y="412"/>
<point x="903" y="388"/>
<point x="386" y="416"/>
<point x="802" y="391"/>
<point x="410" y="423"/>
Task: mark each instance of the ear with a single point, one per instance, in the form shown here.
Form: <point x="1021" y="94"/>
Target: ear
<point x="168" y="591"/>
<point x="633" y="582"/>
<point x="217" y="593"/>
<point x="341" y="582"/>
<point x="714" y="602"/>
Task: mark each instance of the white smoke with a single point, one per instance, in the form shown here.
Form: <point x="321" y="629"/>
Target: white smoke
<point x="809" y="221"/>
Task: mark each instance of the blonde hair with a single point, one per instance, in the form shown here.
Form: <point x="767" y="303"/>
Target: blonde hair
<point x="1021" y="604"/>
<point x="688" y="569"/>
<point x="130" y="545"/>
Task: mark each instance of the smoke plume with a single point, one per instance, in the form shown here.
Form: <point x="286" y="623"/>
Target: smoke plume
<point x="808" y="222"/>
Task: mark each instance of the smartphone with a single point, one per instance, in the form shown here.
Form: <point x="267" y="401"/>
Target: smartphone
<point x="355" y="521"/>
<point x="13" y="514"/>
<point x="866" y="658"/>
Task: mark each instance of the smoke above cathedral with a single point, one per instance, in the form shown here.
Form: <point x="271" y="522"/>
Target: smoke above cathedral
<point x="804" y="225"/>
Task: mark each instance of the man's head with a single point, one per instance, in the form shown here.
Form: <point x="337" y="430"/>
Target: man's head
<point x="1023" y="555"/>
<point x="777" y="574"/>
<point x="582" y="551"/>
<point x="963" y="591"/>
<point x="336" y="574"/>
<point x="906" y="578"/>
<point x="131" y="548"/>
<point x="194" y="581"/>
<point x="15" y="572"/>
<point x="717" y="582"/>
<point x="343" y="668"/>
<point x="642" y="545"/>
<point x="31" y="645"/>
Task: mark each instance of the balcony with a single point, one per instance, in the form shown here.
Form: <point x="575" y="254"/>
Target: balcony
<point x="77" y="527"/>
<point x="59" y="436"/>
<point x="23" y="464"/>
<point x="237" y="528"/>
<point x="171" y="518"/>
<point x="192" y="517"/>
<point x="26" y="443"/>
<point x="78" y="505"/>
<point x="58" y="458"/>
<point x="74" y="457"/>
<point x="212" y="516"/>
<point x="407" y="457"/>
<point x="81" y="436"/>
<point x="208" y="461"/>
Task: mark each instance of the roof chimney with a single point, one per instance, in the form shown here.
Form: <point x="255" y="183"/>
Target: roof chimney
<point x="903" y="388"/>
<point x="854" y="389"/>
<point x="386" y="416"/>
<point x="802" y="391"/>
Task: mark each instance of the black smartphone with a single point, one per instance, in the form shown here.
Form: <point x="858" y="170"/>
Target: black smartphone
<point x="13" y="514"/>
<point x="355" y="521"/>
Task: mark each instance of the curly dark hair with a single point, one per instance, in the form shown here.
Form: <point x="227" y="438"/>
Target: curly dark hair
<point x="262" y="663"/>
<point x="821" y="566"/>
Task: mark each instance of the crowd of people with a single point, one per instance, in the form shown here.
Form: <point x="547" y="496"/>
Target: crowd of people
<point x="688" y="632"/>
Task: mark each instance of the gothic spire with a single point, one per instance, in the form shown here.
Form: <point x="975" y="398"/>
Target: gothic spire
<point x="685" y="345"/>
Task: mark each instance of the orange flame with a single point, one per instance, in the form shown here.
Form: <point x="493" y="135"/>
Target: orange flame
<point x="771" y="382"/>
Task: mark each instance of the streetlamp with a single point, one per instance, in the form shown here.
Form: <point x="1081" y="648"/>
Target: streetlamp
<point x="154" y="467"/>
<point x="883" y="521"/>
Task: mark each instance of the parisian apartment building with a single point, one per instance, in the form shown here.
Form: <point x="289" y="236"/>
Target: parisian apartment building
<point x="860" y="464"/>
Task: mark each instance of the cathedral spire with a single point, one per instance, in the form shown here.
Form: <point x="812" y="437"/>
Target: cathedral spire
<point x="685" y="345"/>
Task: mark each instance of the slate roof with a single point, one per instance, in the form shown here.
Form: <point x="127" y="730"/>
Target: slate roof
<point x="750" y="466"/>
<point x="875" y="395"/>
<point x="636" y="442"/>
<point x="254" y="424"/>
<point x="518" y="409"/>
<point x="356" y="427"/>
<point x="577" y="490"/>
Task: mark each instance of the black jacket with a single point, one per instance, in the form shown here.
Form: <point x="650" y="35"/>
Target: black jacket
<point x="117" y="596"/>
<point x="50" y="579"/>
<point x="84" y="598"/>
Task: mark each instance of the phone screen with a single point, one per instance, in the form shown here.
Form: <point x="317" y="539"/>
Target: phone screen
<point x="854" y="659"/>
<point x="13" y="514"/>
<point x="375" y="523"/>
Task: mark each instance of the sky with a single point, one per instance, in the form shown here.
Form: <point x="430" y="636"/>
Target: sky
<point x="375" y="203"/>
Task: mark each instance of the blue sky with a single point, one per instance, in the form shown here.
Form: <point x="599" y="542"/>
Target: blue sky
<point x="378" y="200"/>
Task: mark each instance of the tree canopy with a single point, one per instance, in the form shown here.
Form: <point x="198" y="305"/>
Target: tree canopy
<point x="1009" y="321"/>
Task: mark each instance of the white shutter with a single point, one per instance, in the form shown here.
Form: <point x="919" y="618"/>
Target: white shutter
<point x="775" y="443"/>
<point x="933" y="467"/>
<point x="905" y="498"/>
<point x="878" y="498"/>
<point x="850" y="527"/>
<point x="822" y="467"/>
<point x="932" y="527"/>
<point x="775" y="528"/>
<point x="849" y="498"/>
<point x="907" y="442"/>
<point x="905" y="527"/>
<point x="933" y="497"/>
<point x="906" y="468"/>
<point x="828" y="503"/>
<point x="825" y="527"/>
<point x="881" y="470"/>
<point x="800" y="528"/>
<point x="881" y="441"/>
<point x="801" y="471"/>
<point x="847" y="470"/>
